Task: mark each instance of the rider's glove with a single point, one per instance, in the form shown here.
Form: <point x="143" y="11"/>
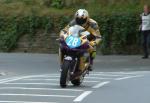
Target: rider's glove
<point x="93" y="43"/>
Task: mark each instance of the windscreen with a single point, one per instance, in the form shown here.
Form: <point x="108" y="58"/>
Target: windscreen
<point x="74" y="30"/>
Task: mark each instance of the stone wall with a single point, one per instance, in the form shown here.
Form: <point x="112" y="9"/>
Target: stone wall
<point x="40" y="43"/>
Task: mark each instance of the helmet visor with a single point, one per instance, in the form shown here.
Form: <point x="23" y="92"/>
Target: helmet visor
<point x="81" y="21"/>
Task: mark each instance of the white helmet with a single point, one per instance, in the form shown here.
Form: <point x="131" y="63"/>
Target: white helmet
<point x="81" y="16"/>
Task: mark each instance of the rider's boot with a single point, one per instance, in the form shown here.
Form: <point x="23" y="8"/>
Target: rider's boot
<point x="92" y="57"/>
<point x="91" y="65"/>
<point x="81" y="65"/>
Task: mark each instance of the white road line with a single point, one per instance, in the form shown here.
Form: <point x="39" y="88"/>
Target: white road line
<point x="56" y="76"/>
<point x="7" y="79"/>
<point x="115" y="73"/>
<point x="123" y="72"/>
<point x="33" y="83"/>
<point x="101" y="84"/>
<point x="97" y="78"/>
<point x="123" y="78"/>
<point x="51" y="76"/>
<point x="41" y="79"/>
<point x="38" y="95"/>
<point x="19" y="78"/>
<point x="3" y="73"/>
<point x="90" y="81"/>
<point x="89" y="77"/>
<point x="82" y="96"/>
<point x="56" y="80"/>
<point x="23" y="102"/>
<point x="108" y="75"/>
<point x="106" y="72"/>
<point x="50" y="89"/>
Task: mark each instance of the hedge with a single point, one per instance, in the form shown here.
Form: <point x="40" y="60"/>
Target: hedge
<point x="119" y="31"/>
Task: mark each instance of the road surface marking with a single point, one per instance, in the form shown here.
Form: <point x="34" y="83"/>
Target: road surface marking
<point x="97" y="78"/>
<point x="87" y="77"/>
<point x="123" y="73"/>
<point x="38" y="95"/>
<point x="123" y="78"/>
<point x="108" y="75"/>
<point x="23" y="102"/>
<point x="51" y="76"/>
<point x="19" y="78"/>
<point x="2" y="74"/>
<point x="33" y="83"/>
<point x="56" y="80"/>
<point x="90" y="81"/>
<point x="101" y="84"/>
<point x="82" y="96"/>
<point x="107" y="72"/>
<point x="51" y="89"/>
<point x="41" y="79"/>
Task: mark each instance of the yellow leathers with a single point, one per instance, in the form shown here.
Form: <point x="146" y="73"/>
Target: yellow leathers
<point x="92" y="27"/>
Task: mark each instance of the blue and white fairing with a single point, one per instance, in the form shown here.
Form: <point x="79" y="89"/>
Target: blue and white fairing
<point x="73" y="40"/>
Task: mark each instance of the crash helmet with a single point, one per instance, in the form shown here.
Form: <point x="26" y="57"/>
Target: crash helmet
<point x="81" y="16"/>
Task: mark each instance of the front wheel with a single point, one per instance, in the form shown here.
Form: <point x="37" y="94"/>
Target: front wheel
<point x="64" y="77"/>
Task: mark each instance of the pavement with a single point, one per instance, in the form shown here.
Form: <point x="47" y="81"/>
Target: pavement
<point x="34" y="78"/>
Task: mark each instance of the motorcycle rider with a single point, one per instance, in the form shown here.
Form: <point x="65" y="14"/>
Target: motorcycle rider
<point x="82" y="18"/>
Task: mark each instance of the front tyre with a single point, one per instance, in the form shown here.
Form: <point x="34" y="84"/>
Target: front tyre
<point x="64" y="77"/>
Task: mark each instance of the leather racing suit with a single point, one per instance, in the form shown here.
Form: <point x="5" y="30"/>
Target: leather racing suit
<point x="92" y="27"/>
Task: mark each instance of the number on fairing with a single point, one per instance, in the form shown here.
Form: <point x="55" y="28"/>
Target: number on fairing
<point x="73" y="42"/>
<point x="70" y="41"/>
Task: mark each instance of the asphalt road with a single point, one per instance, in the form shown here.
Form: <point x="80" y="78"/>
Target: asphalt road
<point x="34" y="78"/>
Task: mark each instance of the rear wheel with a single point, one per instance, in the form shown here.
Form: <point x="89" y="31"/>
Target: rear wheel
<point x="64" y="78"/>
<point x="76" y="82"/>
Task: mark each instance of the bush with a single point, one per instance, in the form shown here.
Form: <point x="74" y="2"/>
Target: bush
<point x="119" y="31"/>
<point x="57" y="3"/>
<point x="13" y="28"/>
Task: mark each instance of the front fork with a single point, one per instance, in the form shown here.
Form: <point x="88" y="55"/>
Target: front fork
<point x="73" y="62"/>
<point x="78" y="66"/>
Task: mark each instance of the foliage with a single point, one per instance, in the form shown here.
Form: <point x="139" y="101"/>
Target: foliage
<point x="57" y="3"/>
<point x="118" y="23"/>
<point x="46" y="7"/>
<point x="119" y="31"/>
<point x="11" y="29"/>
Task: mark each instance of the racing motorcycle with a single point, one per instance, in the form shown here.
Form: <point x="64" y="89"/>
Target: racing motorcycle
<point x="74" y="47"/>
